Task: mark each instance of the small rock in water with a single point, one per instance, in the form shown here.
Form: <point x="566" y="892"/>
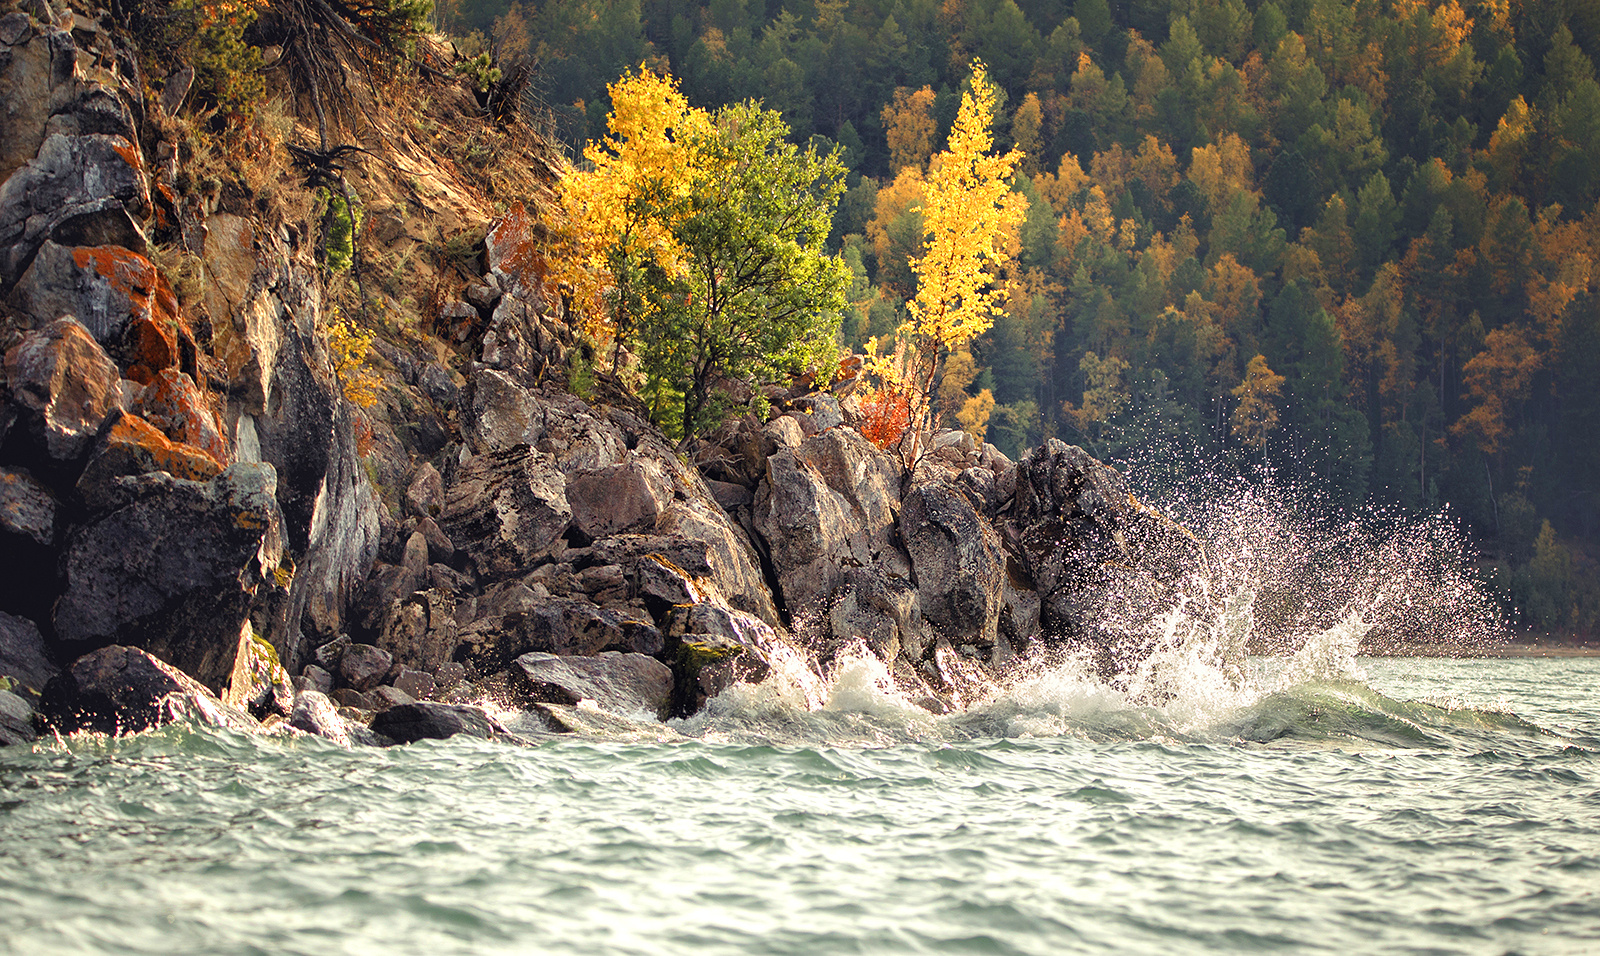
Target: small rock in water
<point x="622" y="684"/>
<point x="314" y="713"/>
<point x="429" y="720"/>
<point x="16" y="720"/>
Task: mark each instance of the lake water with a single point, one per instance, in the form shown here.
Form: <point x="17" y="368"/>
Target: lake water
<point x="1376" y="806"/>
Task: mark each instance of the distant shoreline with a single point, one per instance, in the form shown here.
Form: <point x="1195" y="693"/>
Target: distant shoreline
<point x="1510" y="649"/>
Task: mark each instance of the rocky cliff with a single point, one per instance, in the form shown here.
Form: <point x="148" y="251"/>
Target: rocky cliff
<point x="196" y="520"/>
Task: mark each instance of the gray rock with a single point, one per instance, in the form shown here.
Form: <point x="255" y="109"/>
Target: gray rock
<point x="386" y="695"/>
<point x="620" y="498"/>
<point x="1081" y="537"/>
<point x="349" y="697"/>
<point x="22" y="655"/>
<point x="430" y="720"/>
<point x="623" y="684"/>
<point x="882" y="611"/>
<point x="506" y="510"/>
<point x="318" y="679"/>
<point x="421" y="631"/>
<point x="123" y="690"/>
<point x="869" y="481"/>
<point x="16" y="720"/>
<point x="104" y="287"/>
<point x="414" y="559"/>
<point x="175" y="571"/>
<point x="73" y="182"/>
<point x="557" y="626"/>
<point x="36" y="74"/>
<point x="958" y="563"/>
<point x="419" y="684"/>
<point x="786" y="431"/>
<point x="63" y="386"/>
<point x="27" y="508"/>
<point x="441" y="550"/>
<point x="364" y="666"/>
<point x="717" y="648"/>
<point x="809" y="531"/>
<point x="314" y="713"/>
<point x="425" y="494"/>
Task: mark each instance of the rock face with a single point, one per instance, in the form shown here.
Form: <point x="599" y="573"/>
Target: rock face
<point x="123" y="690"/>
<point x="187" y="489"/>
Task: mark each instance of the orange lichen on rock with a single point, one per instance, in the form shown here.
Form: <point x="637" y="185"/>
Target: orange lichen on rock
<point x="139" y="446"/>
<point x="150" y="342"/>
<point x="514" y="248"/>
<point x="173" y="403"/>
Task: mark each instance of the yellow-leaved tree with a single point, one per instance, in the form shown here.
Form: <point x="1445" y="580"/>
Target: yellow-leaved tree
<point x="970" y="218"/>
<point x="621" y="208"/>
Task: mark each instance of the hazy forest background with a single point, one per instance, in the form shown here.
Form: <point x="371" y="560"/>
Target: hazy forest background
<point x="1351" y="241"/>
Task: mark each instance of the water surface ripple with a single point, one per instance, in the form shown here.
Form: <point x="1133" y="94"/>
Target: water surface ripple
<point x="1431" y="807"/>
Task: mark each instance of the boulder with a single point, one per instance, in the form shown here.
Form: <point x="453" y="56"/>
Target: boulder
<point x="74" y="186"/>
<point x="419" y="684"/>
<point x="317" y="679"/>
<point x="174" y="570"/>
<point x="1081" y="536"/>
<point x="364" y="666"/>
<point x="430" y="720"/>
<point x="259" y="684"/>
<point x="386" y="696"/>
<point x="123" y="690"/>
<point x="869" y="481"/>
<point x="958" y="562"/>
<point x="717" y="647"/>
<point x="623" y="684"/>
<point x="130" y="446"/>
<point x="626" y="497"/>
<point x="27" y="508"/>
<point x="16" y="720"/>
<point x="506" y="510"/>
<point x="881" y="610"/>
<point x="173" y="403"/>
<point x="441" y="550"/>
<point x="420" y="631"/>
<point x="810" y="531"/>
<point x="118" y="295"/>
<point x="63" y="386"/>
<point x="22" y="656"/>
<point x="314" y="713"/>
<point x="424" y="496"/>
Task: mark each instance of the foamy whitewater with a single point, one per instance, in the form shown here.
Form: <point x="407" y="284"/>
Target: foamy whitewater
<point x="1214" y="799"/>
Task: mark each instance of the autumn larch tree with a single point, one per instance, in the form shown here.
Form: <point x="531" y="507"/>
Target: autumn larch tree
<point x="970" y="218"/>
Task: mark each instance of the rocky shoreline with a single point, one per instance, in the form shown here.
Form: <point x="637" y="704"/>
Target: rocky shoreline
<point x="197" y="522"/>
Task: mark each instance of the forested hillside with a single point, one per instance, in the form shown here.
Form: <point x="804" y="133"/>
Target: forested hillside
<point x="1352" y="241"/>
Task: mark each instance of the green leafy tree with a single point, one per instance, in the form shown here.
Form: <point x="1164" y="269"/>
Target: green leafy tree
<point x="755" y="295"/>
